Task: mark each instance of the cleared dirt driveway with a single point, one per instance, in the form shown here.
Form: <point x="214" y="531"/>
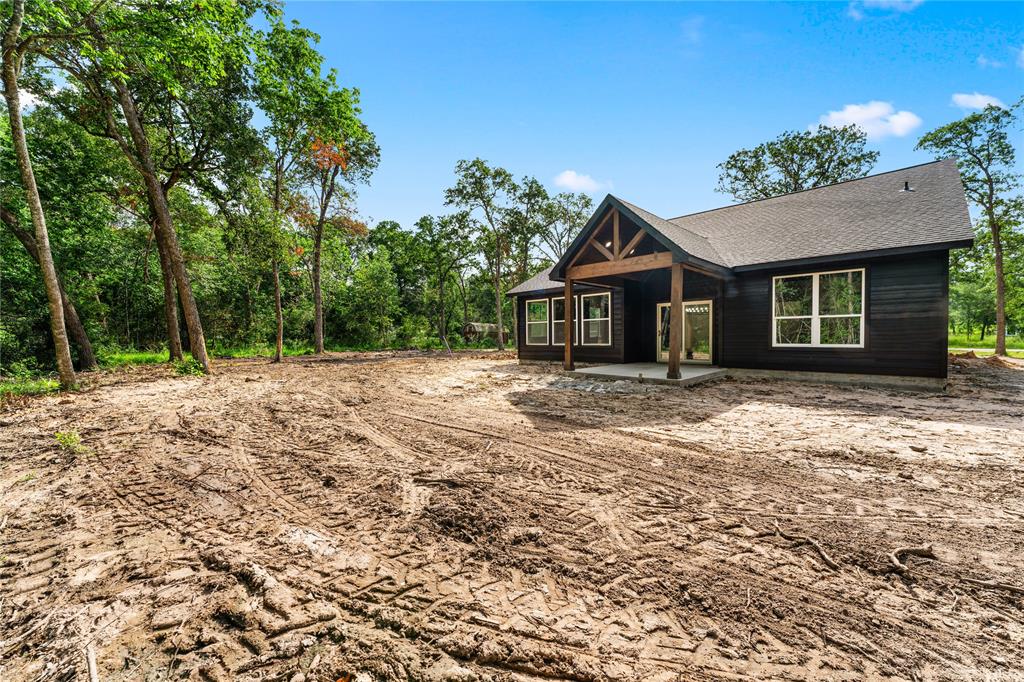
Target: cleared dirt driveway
<point x="418" y="517"/>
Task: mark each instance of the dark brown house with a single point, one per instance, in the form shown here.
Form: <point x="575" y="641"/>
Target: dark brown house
<point x="851" y="278"/>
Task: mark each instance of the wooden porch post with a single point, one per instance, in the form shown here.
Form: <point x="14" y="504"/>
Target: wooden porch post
<point x="675" y="321"/>
<point x="568" y="311"/>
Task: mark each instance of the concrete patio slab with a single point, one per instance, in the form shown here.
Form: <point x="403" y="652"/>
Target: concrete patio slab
<point x="652" y="372"/>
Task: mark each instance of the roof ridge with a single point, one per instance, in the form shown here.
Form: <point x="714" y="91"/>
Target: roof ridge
<point x="809" y="189"/>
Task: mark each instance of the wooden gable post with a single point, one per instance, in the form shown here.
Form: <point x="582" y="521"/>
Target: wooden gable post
<point x="675" y="321"/>
<point x="568" y="310"/>
<point x="616" y="244"/>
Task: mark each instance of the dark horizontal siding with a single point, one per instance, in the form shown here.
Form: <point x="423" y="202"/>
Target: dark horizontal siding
<point x="905" y="322"/>
<point x="609" y="354"/>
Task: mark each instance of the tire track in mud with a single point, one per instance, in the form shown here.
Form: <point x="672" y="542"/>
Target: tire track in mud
<point x="828" y="604"/>
<point x="318" y="482"/>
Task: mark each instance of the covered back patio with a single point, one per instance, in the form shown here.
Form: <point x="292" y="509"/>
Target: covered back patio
<point x="669" y="302"/>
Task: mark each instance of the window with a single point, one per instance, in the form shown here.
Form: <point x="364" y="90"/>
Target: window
<point x="823" y="309"/>
<point x="558" y="321"/>
<point x="537" y="322"/>
<point x="597" y="319"/>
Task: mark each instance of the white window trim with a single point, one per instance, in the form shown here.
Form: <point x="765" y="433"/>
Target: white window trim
<point x="546" y="321"/>
<point x="815" y="317"/>
<point x="597" y="319"/>
<point x="575" y="320"/>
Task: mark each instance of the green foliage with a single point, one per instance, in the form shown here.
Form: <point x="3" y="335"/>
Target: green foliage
<point x="10" y="387"/>
<point x="795" y="161"/>
<point x="982" y="145"/>
<point x="189" y="367"/>
<point x="371" y="302"/>
<point x="70" y="442"/>
<point x="975" y="341"/>
<point x="111" y="357"/>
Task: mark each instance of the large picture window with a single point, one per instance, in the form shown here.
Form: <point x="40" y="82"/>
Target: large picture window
<point x="822" y="309"/>
<point x="596" y="317"/>
<point x="558" y="321"/>
<point x="537" y="322"/>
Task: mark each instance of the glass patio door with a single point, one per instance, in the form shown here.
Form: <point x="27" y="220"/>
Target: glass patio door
<point x="696" y="332"/>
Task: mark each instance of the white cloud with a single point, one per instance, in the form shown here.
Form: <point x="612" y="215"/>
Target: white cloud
<point x="1020" y="57"/>
<point x="877" y="119"/>
<point x="976" y="100"/>
<point x="985" y="62"/>
<point x="692" y="30"/>
<point x="893" y="5"/>
<point x="579" y="182"/>
<point x="858" y="9"/>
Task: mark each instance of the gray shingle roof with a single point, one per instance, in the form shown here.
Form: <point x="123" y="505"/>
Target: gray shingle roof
<point x="538" y="282"/>
<point x="684" y="238"/>
<point x="856" y="216"/>
<point x="869" y="214"/>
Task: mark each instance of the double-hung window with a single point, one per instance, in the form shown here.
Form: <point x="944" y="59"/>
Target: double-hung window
<point x="558" y="321"/>
<point x="537" y="322"/>
<point x="822" y="309"/>
<point x="596" y="314"/>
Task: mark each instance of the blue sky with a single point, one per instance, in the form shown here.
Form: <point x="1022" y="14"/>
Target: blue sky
<point x="644" y="100"/>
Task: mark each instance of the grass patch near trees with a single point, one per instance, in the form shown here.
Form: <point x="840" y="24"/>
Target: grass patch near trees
<point x="18" y="386"/>
<point x="964" y="341"/>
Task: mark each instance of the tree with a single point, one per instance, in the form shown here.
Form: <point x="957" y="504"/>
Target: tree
<point x="123" y="55"/>
<point x="287" y="86"/>
<point x="371" y="301"/>
<point x="15" y="46"/>
<point x="328" y="161"/>
<point x="488" y="191"/>
<point x="796" y="160"/>
<point x="972" y="305"/>
<point x="980" y="143"/>
<point x="567" y="214"/>
<point x="445" y="243"/>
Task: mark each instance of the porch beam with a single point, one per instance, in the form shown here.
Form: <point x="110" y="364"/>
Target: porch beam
<point x="601" y="248"/>
<point x="652" y="261"/>
<point x="632" y="244"/>
<point x="675" y="321"/>
<point x="569" y="310"/>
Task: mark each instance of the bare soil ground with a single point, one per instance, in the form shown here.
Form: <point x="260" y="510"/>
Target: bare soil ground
<point x="407" y="517"/>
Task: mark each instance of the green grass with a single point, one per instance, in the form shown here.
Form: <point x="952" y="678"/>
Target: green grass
<point x="131" y="358"/>
<point x="11" y="387"/>
<point x="964" y="341"/>
<point x="985" y="353"/>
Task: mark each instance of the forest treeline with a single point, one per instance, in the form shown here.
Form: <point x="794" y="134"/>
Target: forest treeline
<point x="190" y="180"/>
<point x="184" y="177"/>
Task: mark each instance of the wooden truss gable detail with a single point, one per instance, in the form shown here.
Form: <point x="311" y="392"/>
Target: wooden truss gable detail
<point x="617" y="258"/>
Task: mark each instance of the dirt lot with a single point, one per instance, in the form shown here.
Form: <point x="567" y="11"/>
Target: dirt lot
<point x="364" y="517"/>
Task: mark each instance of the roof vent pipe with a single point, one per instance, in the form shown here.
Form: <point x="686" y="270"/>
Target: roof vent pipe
<point x="907" y="187"/>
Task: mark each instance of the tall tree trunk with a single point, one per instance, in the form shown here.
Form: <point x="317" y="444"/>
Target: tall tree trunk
<point x="75" y="328"/>
<point x="278" y="314"/>
<point x="11" y="64"/>
<point x="165" y="231"/>
<point x="997" y="248"/>
<point x="170" y="297"/>
<point x="318" y="303"/>
<point x="497" y="300"/>
<point x="465" y="301"/>
<point x="443" y="321"/>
